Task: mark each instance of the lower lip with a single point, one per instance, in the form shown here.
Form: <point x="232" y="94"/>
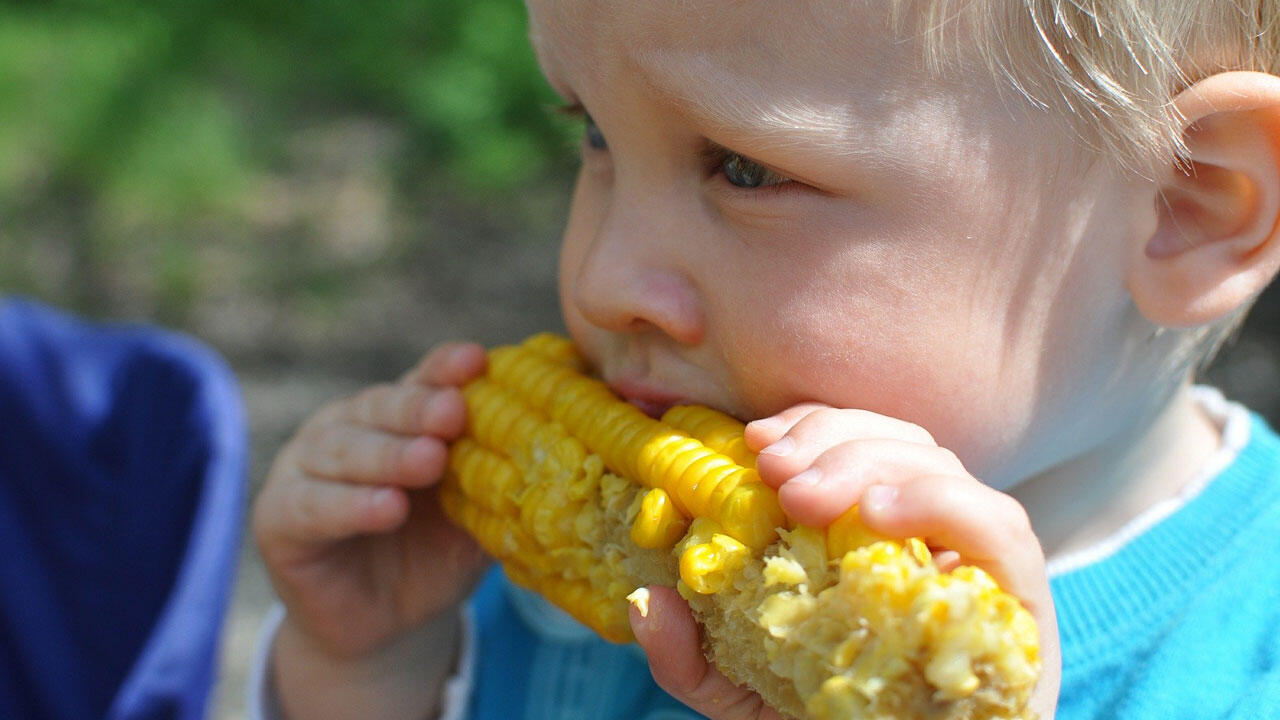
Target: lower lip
<point x="652" y="408"/>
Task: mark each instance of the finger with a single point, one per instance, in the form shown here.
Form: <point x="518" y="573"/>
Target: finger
<point x="410" y="409"/>
<point x="309" y="510"/>
<point x="945" y="560"/>
<point x="355" y="453"/>
<point x="669" y="637"/>
<point x="765" y="431"/>
<point x="824" y="428"/>
<point x="986" y="527"/>
<point x="451" y="363"/>
<point x="835" y="480"/>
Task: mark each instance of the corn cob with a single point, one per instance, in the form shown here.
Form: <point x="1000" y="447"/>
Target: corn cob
<point x="583" y="498"/>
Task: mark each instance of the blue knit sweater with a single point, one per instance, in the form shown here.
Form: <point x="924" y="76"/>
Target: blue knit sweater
<point x="1181" y="622"/>
<point x="1184" y="621"/>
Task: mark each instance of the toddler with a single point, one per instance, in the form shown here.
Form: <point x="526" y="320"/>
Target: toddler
<point x="956" y="261"/>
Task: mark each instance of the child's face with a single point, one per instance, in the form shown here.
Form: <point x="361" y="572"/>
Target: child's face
<point x="937" y="253"/>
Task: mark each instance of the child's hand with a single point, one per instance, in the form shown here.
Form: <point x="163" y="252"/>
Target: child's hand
<point x="351" y="531"/>
<point x="824" y="460"/>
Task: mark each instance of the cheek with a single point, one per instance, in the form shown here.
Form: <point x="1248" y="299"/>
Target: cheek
<point x="584" y="216"/>
<point x="861" y="329"/>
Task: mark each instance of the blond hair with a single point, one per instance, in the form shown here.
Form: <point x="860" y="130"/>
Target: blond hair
<point x="1111" y="67"/>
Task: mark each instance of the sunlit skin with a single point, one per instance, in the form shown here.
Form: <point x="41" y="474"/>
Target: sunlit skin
<point x="929" y="297"/>
<point x="920" y="248"/>
<point x="947" y="259"/>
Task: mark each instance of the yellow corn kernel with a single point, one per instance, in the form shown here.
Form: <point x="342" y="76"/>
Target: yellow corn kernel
<point x="584" y="498"/>
<point x="555" y="347"/>
<point x="784" y="571"/>
<point x="658" y="524"/>
<point x="847" y="533"/>
<point x="752" y="514"/>
<point x="709" y="567"/>
<point x="699" y="480"/>
<point x="700" y="531"/>
<point x="488" y="476"/>
<point x="640" y="598"/>
<point x="713" y="429"/>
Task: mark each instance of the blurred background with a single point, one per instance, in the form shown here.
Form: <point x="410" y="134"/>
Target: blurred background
<point x="320" y="190"/>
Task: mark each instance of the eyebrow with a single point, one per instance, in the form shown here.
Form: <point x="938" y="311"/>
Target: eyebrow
<point x="736" y="110"/>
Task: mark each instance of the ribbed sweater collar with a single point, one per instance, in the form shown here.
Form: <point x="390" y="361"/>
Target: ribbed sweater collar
<point x="1119" y="601"/>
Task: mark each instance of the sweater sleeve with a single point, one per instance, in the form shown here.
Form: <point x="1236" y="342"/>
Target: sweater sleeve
<point x="263" y="703"/>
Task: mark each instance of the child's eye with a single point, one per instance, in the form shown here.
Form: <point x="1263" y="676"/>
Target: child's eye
<point x="746" y="173"/>
<point x="595" y="138"/>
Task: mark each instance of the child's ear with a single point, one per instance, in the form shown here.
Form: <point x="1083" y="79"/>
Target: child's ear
<point x="1217" y="241"/>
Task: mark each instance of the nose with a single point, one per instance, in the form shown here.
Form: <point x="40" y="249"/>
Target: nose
<point x="636" y="272"/>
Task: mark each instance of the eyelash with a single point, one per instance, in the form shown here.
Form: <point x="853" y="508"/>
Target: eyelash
<point x="713" y="156"/>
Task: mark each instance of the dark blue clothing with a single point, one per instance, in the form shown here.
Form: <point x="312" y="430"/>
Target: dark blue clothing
<point x="122" y="467"/>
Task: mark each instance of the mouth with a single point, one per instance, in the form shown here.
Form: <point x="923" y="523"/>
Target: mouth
<point x="651" y="401"/>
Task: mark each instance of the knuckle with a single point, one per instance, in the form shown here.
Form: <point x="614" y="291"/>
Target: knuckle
<point x="387" y="464"/>
<point x="370" y="406"/>
<point x="362" y="404"/>
<point x="449" y="395"/>
<point x="334" y="446"/>
<point x="796" y="413"/>
<point x="1018" y="520"/>
<point x="853" y="458"/>
<point x="321" y="449"/>
<point x="950" y="458"/>
<point x="304" y="508"/>
<point x="341" y="409"/>
<point x="748" y="706"/>
<point x="822" y="418"/>
<point x="945" y="495"/>
<point x="921" y="435"/>
<point x="409" y="414"/>
<point x="739" y="704"/>
<point x="329" y="413"/>
<point x="703" y="692"/>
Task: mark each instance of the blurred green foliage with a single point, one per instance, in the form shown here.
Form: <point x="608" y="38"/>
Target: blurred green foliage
<point x="131" y="122"/>
<point x="173" y="103"/>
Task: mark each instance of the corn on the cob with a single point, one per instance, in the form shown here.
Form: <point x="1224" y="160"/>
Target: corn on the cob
<point x="583" y="498"/>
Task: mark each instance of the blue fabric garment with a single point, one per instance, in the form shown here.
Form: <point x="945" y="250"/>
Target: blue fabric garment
<point x="525" y="673"/>
<point x="122" y="469"/>
<point x="1182" y="622"/>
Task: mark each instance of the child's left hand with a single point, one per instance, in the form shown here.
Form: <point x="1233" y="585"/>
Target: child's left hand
<point x="823" y="461"/>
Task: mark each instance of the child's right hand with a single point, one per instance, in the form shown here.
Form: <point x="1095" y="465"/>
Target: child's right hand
<point x="357" y="546"/>
<point x="824" y="460"/>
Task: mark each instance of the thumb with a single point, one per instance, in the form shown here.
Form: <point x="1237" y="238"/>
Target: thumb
<point x="669" y="636"/>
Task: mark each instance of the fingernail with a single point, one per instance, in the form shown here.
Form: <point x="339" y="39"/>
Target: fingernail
<point x="780" y="448"/>
<point x="879" y="497"/>
<point x="808" y="478"/>
<point x="459" y="352"/>
<point x="766" y="424"/>
<point x="381" y="497"/>
<point x="417" y="452"/>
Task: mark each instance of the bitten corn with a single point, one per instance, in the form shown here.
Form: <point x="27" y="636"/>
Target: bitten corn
<point x="583" y="498"/>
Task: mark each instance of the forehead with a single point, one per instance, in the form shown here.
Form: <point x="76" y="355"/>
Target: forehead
<point x="799" y="47"/>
